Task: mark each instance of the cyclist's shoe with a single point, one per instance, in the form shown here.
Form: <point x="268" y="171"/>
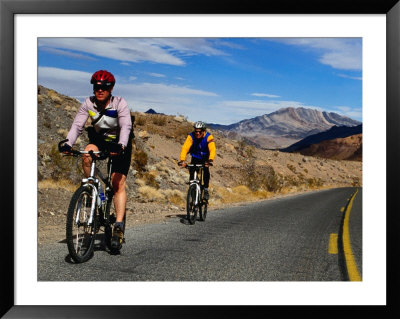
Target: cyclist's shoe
<point x="206" y="194"/>
<point x="117" y="238"/>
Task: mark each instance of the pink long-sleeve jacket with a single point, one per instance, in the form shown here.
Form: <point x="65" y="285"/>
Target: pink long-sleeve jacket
<point x="114" y="124"/>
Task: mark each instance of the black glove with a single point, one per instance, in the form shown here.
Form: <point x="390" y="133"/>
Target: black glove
<point x="65" y="148"/>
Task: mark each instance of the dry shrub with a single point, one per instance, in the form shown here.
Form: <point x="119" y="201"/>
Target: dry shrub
<point x="140" y="159"/>
<point x="63" y="167"/>
<point x="264" y="177"/>
<point x="181" y="132"/>
<point x="150" y="194"/>
<point x="314" y="183"/>
<point x="292" y="168"/>
<point x="140" y="120"/>
<point x="159" y="120"/>
<point x="55" y="97"/>
<point x="149" y="179"/>
<point x="175" y="197"/>
<point x="62" y="183"/>
<point x="237" y="194"/>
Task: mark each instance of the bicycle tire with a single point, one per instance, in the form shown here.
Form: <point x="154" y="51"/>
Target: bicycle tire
<point x="203" y="208"/>
<point x="191" y="208"/>
<point x="80" y="246"/>
<point x="110" y="220"/>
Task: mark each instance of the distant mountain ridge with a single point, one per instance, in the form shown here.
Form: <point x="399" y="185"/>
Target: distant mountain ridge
<point x="341" y="148"/>
<point x="333" y="133"/>
<point x="284" y="127"/>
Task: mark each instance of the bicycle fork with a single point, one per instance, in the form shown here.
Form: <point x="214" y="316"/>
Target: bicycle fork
<point x="198" y="192"/>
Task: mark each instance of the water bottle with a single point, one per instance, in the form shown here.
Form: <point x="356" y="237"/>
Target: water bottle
<point x="101" y="195"/>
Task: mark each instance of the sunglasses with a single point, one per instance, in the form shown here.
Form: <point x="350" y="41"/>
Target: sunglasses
<point x="197" y="131"/>
<point x="102" y="87"/>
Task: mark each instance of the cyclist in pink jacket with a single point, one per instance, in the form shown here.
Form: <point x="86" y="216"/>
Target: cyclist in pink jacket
<point x="111" y="129"/>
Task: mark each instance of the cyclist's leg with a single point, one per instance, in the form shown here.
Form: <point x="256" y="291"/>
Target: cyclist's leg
<point x="120" y="197"/>
<point x="120" y="169"/>
<point x="95" y="144"/>
<point x="87" y="160"/>
<point x="118" y="179"/>
<point x="206" y="176"/>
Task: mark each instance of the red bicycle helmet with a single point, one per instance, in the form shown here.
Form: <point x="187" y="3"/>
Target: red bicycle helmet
<point x="103" y="77"/>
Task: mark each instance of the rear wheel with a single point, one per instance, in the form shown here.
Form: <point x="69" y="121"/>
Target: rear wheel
<point x="110" y="220"/>
<point x="191" y="208"/>
<point x="80" y="234"/>
<point x="108" y="229"/>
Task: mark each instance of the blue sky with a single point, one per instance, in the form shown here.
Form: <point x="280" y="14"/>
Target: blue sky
<point x="217" y="80"/>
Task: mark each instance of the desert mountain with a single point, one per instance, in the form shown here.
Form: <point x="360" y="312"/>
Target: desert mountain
<point x="331" y="134"/>
<point x="284" y="127"/>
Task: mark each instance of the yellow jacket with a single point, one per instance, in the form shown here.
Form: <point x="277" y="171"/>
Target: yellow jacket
<point x="198" y="150"/>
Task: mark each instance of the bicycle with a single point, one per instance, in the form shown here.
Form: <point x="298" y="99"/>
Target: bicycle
<point x="195" y="201"/>
<point x="87" y="211"/>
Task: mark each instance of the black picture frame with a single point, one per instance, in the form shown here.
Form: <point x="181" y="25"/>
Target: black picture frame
<point x="8" y="10"/>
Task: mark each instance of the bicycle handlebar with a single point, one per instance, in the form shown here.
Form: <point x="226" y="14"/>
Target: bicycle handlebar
<point x="98" y="155"/>
<point x="195" y="165"/>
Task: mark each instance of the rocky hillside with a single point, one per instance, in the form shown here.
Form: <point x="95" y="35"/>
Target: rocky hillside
<point x="339" y="142"/>
<point x="346" y="148"/>
<point x="156" y="184"/>
<point x="284" y="127"/>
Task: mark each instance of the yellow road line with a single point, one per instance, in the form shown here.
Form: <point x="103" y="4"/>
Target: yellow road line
<point x="333" y="248"/>
<point x="351" y="265"/>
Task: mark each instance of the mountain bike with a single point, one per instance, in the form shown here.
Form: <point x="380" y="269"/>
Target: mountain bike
<point x="195" y="202"/>
<point x="88" y="211"/>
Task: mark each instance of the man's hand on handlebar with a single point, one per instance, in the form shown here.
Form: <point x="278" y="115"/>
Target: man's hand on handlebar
<point x="208" y="163"/>
<point x="182" y="163"/>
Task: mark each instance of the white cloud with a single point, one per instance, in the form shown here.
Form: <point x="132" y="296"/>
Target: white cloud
<point x="359" y="78"/>
<point x="265" y="95"/>
<point x="157" y="75"/>
<point x="189" y="46"/>
<point x="352" y="112"/>
<point x="69" y="82"/>
<point x="339" y="53"/>
<point x="162" y="50"/>
<point x="166" y="98"/>
<point x="68" y="54"/>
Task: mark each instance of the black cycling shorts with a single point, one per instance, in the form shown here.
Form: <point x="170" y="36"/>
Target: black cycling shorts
<point x="120" y="163"/>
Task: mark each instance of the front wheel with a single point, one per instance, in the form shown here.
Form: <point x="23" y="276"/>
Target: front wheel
<point x="80" y="235"/>
<point x="191" y="207"/>
<point x="203" y="209"/>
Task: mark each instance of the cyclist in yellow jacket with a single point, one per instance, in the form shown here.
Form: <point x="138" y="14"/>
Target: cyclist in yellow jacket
<point x="201" y="146"/>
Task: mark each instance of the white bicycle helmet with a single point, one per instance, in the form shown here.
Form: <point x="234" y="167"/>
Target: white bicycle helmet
<point x="199" y="125"/>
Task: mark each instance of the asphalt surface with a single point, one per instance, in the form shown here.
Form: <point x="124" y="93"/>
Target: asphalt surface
<point x="285" y="239"/>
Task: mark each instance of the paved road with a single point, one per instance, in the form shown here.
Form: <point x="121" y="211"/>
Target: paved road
<point x="286" y="239"/>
